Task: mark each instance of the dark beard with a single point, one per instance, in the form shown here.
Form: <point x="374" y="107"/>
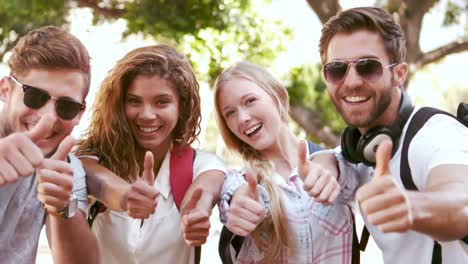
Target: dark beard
<point x="376" y="112"/>
<point x="379" y="109"/>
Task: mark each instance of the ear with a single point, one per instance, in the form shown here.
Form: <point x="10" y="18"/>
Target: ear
<point x="5" y="89"/>
<point x="400" y="74"/>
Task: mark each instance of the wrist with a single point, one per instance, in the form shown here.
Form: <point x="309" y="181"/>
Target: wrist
<point x="69" y="210"/>
<point x="124" y="200"/>
<point x="419" y="205"/>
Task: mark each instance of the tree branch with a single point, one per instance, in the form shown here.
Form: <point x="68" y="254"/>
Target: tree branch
<point x="420" y="6"/>
<point x="325" y="9"/>
<point x="435" y="55"/>
<point x="107" y="12"/>
<point x="313" y="125"/>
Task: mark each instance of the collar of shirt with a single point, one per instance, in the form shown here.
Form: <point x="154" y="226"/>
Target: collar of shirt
<point x="290" y="185"/>
<point x="162" y="181"/>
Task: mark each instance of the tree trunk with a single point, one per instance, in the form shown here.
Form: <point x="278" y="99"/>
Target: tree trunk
<point x="310" y="121"/>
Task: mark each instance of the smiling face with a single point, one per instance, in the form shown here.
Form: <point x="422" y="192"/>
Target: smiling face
<point x="361" y="103"/>
<point x="250" y="113"/>
<point x="152" y="111"/>
<point x="17" y="117"/>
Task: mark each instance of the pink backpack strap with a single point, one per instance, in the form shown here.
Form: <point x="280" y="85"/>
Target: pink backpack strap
<point x="180" y="171"/>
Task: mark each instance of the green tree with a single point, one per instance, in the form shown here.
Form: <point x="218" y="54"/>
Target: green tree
<point x="18" y="17"/>
<point x="214" y="32"/>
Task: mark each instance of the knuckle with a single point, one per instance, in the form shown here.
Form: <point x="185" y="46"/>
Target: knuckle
<point x="313" y="192"/>
<point x="12" y="178"/>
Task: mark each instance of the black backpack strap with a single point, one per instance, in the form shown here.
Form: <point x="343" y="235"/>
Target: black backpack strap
<point x="436" y="253"/>
<point x="364" y="239"/>
<point x="465" y="239"/>
<point x="462" y="113"/>
<point x="197" y="255"/>
<point x="94" y="210"/>
<point x="226" y="239"/>
<point x="355" y="254"/>
<point x="416" y="123"/>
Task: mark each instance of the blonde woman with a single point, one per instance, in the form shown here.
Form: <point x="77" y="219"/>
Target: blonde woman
<point x="289" y="208"/>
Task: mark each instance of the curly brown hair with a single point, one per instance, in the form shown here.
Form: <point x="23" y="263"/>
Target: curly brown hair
<point x="109" y="135"/>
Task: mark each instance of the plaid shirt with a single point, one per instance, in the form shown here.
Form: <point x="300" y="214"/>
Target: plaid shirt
<point x="322" y="234"/>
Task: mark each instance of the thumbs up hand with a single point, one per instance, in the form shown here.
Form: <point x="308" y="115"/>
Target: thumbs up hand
<point x="319" y="182"/>
<point x="55" y="178"/>
<point x="246" y="210"/>
<point x="196" y="214"/>
<point x="141" y="198"/>
<point x="19" y="154"/>
<point x="386" y="204"/>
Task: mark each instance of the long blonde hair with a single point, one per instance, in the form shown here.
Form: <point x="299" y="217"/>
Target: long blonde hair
<point x="109" y="135"/>
<point x="276" y="224"/>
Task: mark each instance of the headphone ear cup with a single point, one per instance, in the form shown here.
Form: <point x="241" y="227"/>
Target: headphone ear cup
<point x="349" y="140"/>
<point x="367" y="145"/>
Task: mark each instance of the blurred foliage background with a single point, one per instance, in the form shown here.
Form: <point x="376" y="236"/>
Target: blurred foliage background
<point x="216" y="33"/>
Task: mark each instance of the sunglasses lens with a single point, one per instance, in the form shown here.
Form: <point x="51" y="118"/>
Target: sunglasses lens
<point x="34" y="98"/>
<point x="369" y="69"/>
<point x="335" y="71"/>
<point x="68" y="109"/>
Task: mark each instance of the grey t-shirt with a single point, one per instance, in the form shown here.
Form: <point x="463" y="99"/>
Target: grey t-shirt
<point x="22" y="215"/>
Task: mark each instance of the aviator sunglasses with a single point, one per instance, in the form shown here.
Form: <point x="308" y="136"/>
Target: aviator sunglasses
<point x="35" y="98"/>
<point x="369" y="69"/>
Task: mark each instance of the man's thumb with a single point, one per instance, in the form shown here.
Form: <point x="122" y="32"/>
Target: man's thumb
<point x="251" y="178"/>
<point x="302" y="167"/>
<point x="42" y="129"/>
<point x="382" y="158"/>
<point x="64" y="148"/>
<point x="148" y="168"/>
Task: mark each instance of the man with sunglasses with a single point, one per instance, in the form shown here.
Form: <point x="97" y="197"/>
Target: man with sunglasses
<point x="363" y="52"/>
<point x="40" y="183"/>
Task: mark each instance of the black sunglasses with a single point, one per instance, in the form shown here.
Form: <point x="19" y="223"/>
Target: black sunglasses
<point x="371" y="70"/>
<point x="36" y="98"/>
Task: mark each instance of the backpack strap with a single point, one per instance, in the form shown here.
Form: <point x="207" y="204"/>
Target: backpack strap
<point x="417" y="122"/>
<point x="181" y="171"/>
<point x="355" y="254"/>
<point x="181" y="176"/>
<point x="462" y="113"/>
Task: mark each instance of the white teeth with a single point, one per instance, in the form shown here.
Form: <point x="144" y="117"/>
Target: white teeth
<point x="251" y="130"/>
<point x="356" y="99"/>
<point x="149" y="129"/>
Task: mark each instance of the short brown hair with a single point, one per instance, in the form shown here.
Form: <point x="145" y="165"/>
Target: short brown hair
<point x="109" y="135"/>
<point x="370" y="18"/>
<point x="50" y="47"/>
